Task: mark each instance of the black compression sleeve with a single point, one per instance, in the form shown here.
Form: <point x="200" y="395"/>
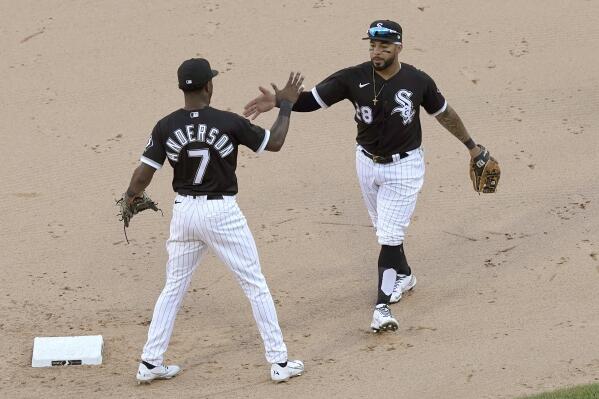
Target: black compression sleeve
<point x="306" y="103"/>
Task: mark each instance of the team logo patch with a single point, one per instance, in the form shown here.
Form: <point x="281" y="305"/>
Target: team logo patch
<point x="405" y="106"/>
<point x="150" y="143"/>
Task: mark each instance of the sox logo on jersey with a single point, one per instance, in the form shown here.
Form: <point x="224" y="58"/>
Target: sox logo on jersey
<point x="405" y="108"/>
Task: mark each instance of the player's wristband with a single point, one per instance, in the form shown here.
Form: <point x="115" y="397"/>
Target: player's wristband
<point x="285" y="107"/>
<point x="470" y="144"/>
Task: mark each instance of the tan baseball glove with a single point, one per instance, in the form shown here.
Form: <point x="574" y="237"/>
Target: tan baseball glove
<point x="484" y="172"/>
<point x="139" y="204"/>
<point x="128" y="210"/>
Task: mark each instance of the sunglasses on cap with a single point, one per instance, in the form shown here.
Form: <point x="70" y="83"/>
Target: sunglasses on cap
<point x="381" y="32"/>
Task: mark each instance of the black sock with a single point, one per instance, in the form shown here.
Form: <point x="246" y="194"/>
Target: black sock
<point x="282" y="364"/>
<point x="148" y="365"/>
<point x="391" y="257"/>
<point x="403" y="268"/>
<point x="395" y="257"/>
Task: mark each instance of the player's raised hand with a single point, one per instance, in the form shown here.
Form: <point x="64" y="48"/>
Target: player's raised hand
<point x="263" y="103"/>
<point x="292" y="89"/>
<point x="267" y="100"/>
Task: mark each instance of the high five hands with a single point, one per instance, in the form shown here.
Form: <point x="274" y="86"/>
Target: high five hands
<point x="268" y="100"/>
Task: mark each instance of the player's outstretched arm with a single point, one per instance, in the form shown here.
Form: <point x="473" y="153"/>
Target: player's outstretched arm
<point x="451" y="121"/>
<point x="285" y="97"/>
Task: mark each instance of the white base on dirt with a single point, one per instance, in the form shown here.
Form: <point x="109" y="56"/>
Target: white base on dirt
<point x="67" y="351"/>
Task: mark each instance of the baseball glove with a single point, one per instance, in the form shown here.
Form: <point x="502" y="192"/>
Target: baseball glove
<point x="484" y="172"/>
<point x="139" y="204"/>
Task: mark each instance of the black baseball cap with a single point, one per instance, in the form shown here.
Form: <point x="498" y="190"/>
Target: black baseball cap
<point x="384" y="30"/>
<point x="194" y="73"/>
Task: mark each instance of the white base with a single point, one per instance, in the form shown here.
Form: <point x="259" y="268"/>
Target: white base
<point x="65" y="351"/>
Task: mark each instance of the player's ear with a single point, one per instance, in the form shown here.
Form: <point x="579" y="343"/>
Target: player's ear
<point x="208" y="87"/>
<point x="399" y="48"/>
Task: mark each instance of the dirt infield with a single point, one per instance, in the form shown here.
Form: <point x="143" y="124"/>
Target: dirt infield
<point x="506" y="303"/>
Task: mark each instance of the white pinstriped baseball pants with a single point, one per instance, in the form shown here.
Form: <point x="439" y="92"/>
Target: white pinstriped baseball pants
<point x="390" y="192"/>
<point x="199" y="224"/>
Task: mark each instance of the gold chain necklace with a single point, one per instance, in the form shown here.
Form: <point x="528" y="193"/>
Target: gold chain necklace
<point x="374" y="100"/>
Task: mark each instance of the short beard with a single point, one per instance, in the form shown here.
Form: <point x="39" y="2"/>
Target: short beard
<point x="385" y="65"/>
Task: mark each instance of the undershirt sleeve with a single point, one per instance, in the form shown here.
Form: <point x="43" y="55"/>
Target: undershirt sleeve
<point x="306" y="103"/>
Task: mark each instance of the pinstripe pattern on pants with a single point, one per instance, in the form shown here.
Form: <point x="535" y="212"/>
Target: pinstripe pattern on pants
<point x="390" y="192"/>
<point x="199" y="224"/>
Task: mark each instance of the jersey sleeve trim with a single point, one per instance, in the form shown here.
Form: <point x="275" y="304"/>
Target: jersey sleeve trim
<point x="318" y="99"/>
<point x="264" y="142"/>
<point x="443" y="108"/>
<point x="151" y="163"/>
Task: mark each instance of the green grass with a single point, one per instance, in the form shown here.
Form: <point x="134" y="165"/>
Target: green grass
<point x="579" y="392"/>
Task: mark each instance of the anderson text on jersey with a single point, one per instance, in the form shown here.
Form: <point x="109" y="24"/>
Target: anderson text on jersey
<point x="200" y="133"/>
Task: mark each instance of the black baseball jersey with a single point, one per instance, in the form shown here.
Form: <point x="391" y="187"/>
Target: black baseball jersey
<point x="201" y="146"/>
<point x="391" y="124"/>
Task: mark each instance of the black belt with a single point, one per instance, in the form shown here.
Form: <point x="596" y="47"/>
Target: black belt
<point x="208" y="197"/>
<point x="379" y="159"/>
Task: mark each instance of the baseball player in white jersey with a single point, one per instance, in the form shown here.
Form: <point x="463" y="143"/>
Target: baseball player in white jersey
<point x="387" y="96"/>
<point x="201" y="144"/>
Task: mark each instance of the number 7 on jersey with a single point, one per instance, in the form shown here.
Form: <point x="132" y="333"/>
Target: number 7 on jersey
<point x="204" y="155"/>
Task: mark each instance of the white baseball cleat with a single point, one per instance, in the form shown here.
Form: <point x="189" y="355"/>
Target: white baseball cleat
<point x="145" y="375"/>
<point x="293" y="369"/>
<point x="403" y="284"/>
<point x="382" y="319"/>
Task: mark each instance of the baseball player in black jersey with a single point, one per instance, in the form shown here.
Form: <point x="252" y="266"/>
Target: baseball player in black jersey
<point x="201" y="143"/>
<point x="387" y="96"/>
